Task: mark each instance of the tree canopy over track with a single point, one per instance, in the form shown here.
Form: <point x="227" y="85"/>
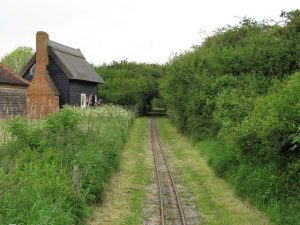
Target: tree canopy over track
<point x="130" y="84"/>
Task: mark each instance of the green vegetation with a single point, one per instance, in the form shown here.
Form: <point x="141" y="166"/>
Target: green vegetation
<point x="130" y="84"/>
<point x="137" y="195"/>
<point x="238" y="93"/>
<point x="4" y="136"/>
<point x="241" y="89"/>
<point x="36" y="166"/>
<point x="125" y="199"/>
<point x="157" y="103"/>
<point x="17" y="59"/>
<point x="214" y="198"/>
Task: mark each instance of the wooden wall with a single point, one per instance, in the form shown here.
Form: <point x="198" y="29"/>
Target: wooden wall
<point x="76" y="88"/>
<point x="12" y="100"/>
<point x="70" y="90"/>
<point x="61" y="82"/>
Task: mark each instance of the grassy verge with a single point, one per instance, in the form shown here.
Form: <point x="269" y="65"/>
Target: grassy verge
<point x="125" y="199"/>
<point x="215" y="198"/>
<point x="253" y="182"/>
<point x="4" y="136"/>
<point x="36" y="167"/>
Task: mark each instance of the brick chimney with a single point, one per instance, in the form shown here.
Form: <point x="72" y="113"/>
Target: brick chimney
<point x="42" y="99"/>
<point x="42" y="59"/>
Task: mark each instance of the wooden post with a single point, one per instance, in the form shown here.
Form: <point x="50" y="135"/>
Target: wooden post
<point x="75" y="175"/>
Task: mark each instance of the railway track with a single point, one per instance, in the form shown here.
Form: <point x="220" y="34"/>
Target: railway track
<point x="171" y="212"/>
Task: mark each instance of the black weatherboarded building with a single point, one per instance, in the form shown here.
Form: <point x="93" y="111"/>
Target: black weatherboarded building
<point x="74" y="78"/>
<point x="13" y="92"/>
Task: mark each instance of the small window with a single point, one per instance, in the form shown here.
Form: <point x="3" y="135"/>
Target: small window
<point x="83" y="100"/>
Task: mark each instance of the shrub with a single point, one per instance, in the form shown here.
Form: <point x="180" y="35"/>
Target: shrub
<point x="62" y="120"/>
<point x="239" y="88"/>
<point x="273" y="122"/>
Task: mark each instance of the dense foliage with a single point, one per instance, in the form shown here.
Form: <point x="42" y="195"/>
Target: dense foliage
<point x="130" y="84"/>
<point x="241" y="88"/>
<point x="36" y="166"/>
<point x="17" y="59"/>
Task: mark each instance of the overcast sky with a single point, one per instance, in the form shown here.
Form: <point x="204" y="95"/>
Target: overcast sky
<point x="136" y="30"/>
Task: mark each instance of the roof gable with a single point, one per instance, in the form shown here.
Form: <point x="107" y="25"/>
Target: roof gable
<point x="71" y="61"/>
<point x="74" y="65"/>
<point x="9" y="77"/>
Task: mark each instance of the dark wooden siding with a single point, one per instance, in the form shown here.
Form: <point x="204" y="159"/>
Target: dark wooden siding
<point x="61" y="81"/>
<point x="12" y="100"/>
<point x="76" y="88"/>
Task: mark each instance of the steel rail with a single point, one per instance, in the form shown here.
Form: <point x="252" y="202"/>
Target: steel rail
<point x="155" y="131"/>
<point x="162" y="215"/>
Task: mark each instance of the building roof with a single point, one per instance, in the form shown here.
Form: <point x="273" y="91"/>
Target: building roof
<point x="7" y="76"/>
<point x="71" y="61"/>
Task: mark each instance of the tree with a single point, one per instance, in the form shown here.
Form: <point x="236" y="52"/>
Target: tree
<point x="17" y="58"/>
<point x="130" y="84"/>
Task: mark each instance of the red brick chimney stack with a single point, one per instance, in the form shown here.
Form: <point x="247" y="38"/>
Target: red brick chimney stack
<point x="42" y="59"/>
<point x="42" y="99"/>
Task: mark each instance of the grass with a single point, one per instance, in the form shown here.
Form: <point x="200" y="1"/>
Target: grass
<point x="36" y="166"/>
<point x="215" y="199"/>
<point x="4" y="136"/>
<point x="125" y="199"/>
<point x="255" y="183"/>
<point x="141" y="179"/>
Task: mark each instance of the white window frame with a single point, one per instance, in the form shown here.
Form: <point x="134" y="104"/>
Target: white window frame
<point x="83" y="100"/>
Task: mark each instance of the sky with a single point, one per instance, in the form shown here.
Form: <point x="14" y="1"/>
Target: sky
<point x="148" y="31"/>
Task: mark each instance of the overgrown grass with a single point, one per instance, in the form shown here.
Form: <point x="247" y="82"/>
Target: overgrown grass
<point x="4" y="136"/>
<point x="258" y="184"/>
<point x="36" y="185"/>
<point x="214" y="197"/>
<point x="137" y="195"/>
<point x="124" y="202"/>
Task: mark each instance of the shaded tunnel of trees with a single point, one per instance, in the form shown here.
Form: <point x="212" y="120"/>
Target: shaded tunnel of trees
<point x="130" y="84"/>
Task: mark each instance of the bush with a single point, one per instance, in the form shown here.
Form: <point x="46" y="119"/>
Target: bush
<point x="273" y="122"/>
<point x="239" y="88"/>
<point x="246" y="58"/>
